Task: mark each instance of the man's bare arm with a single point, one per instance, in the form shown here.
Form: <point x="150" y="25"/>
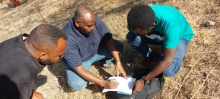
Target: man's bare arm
<point x="87" y="75"/>
<point x="165" y="63"/>
<point x="113" y="49"/>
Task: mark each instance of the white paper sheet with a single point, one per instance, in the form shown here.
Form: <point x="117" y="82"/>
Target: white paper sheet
<point x="123" y="87"/>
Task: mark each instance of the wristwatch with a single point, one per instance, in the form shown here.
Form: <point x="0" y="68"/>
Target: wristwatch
<point x="145" y="81"/>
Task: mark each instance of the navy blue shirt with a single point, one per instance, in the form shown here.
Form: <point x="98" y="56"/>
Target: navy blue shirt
<point x="81" y="48"/>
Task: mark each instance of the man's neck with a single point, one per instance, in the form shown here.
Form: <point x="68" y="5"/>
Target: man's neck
<point x="30" y="48"/>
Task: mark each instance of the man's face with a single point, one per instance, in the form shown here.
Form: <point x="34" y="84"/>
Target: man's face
<point x="86" y="24"/>
<point x="87" y="27"/>
<point x="55" y="54"/>
<point x="141" y="32"/>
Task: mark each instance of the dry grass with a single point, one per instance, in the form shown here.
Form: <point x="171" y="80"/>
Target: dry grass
<point x="198" y="77"/>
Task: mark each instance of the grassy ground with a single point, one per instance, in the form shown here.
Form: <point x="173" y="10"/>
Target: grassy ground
<point x="198" y="77"/>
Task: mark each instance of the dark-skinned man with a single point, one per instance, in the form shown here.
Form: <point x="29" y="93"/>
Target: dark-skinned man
<point x="24" y="56"/>
<point x="157" y="25"/>
<point x="89" y="41"/>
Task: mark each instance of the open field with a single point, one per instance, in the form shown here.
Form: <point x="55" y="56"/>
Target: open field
<point x="198" y="77"/>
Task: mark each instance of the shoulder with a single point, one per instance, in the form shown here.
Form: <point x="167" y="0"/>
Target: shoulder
<point x="14" y="50"/>
<point x="98" y="21"/>
<point x="101" y="26"/>
<point x="10" y="42"/>
<point x="166" y="12"/>
<point x="17" y="57"/>
<point x="71" y="32"/>
<point x="162" y="8"/>
<point x="68" y="28"/>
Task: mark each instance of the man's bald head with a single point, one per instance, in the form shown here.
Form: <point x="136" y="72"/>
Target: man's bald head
<point x="84" y="12"/>
<point x="84" y="19"/>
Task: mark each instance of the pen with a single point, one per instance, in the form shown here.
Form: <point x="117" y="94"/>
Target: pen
<point x="111" y="80"/>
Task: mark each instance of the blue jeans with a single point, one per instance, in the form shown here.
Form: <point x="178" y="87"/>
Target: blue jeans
<point x="139" y="43"/>
<point x="103" y="56"/>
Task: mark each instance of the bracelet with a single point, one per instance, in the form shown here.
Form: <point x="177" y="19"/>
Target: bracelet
<point x="145" y="81"/>
<point x="118" y="63"/>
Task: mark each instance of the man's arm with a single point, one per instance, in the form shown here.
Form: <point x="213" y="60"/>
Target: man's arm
<point x="169" y="54"/>
<point x="37" y="95"/>
<point x="85" y="74"/>
<point x="168" y="58"/>
<point x="107" y="37"/>
<point x="113" y="49"/>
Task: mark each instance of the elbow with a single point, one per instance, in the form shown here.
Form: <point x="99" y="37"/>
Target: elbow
<point x="167" y="62"/>
<point x="172" y="67"/>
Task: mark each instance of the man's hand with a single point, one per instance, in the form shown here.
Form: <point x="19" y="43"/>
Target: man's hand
<point x="110" y="84"/>
<point x="120" y="70"/>
<point x="37" y="95"/>
<point x="137" y="86"/>
<point x="87" y="75"/>
<point x="114" y="51"/>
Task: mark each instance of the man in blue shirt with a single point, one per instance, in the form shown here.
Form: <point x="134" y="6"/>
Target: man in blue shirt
<point x="89" y="41"/>
<point x="158" y="25"/>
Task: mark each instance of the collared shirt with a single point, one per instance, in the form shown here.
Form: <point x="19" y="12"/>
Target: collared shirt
<point x="81" y="48"/>
<point x="170" y="26"/>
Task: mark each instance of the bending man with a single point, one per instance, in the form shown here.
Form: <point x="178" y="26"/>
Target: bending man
<point x="24" y="56"/>
<point x="89" y="41"/>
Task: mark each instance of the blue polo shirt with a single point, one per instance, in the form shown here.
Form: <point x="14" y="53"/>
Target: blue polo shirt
<point x="81" y="48"/>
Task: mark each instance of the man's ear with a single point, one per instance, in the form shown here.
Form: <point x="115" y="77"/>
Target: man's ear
<point x="152" y="26"/>
<point x="43" y="56"/>
<point x="77" y="22"/>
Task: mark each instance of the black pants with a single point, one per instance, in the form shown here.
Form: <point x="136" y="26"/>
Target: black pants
<point x="149" y="91"/>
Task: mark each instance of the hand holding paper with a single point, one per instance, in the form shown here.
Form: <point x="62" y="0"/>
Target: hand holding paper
<point x="112" y="83"/>
<point x="137" y="86"/>
<point x="124" y="85"/>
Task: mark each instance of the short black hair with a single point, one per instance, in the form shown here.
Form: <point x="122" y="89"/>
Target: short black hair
<point x="141" y="16"/>
<point x="45" y="37"/>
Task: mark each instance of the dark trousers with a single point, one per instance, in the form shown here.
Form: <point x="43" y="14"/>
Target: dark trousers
<point x="149" y="91"/>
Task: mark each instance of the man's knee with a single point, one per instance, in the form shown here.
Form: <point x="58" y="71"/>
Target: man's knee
<point x="130" y="37"/>
<point x="77" y="85"/>
<point x="169" y="73"/>
<point x="172" y="70"/>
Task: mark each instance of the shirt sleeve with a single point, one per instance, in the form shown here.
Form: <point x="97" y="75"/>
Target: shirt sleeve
<point x="72" y="56"/>
<point x="27" y="85"/>
<point x="103" y="29"/>
<point x="171" y="36"/>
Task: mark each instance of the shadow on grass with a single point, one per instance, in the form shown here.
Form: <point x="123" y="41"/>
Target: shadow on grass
<point x="41" y="80"/>
<point x="58" y="70"/>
